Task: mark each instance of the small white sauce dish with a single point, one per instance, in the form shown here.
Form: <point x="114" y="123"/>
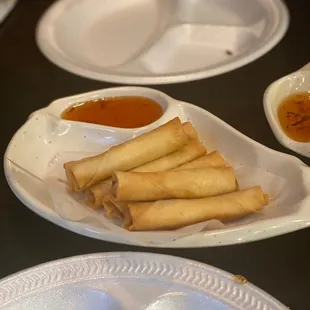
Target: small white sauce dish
<point x="296" y="82"/>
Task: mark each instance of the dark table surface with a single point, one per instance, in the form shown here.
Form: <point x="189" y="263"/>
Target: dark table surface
<point x="28" y="81"/>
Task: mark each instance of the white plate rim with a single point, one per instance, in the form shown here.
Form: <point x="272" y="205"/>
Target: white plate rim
<point x="50" y="51"/>
<point x="249" y="232"/>
<point x="195" y="275"/>
<point x="9" y="5"/>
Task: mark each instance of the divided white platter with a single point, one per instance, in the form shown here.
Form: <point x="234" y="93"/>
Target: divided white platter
<point x="115" y="281"/>
<point x="296" y="82"/>
<point x="157" y="42"/>
<point x="37" y="144"/>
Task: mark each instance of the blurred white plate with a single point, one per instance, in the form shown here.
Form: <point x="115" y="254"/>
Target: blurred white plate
<point x="156" y="42"/>
<point x="296" y="82"/>
<point x="115" y="281"/>
<point x="6" y="6"/>
<point x="42" y="140"/>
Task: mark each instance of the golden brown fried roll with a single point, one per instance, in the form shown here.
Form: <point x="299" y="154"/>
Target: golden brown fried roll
<point x="149" y="146"/>
<point x="213" y="159"/>
<point x="177" y="213"/>
<point x="191" y="183"/>
<point x="191" y="151"/>
<point x="190" y="131"/>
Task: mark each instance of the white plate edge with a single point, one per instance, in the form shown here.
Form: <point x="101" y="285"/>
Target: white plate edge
<point x="145" y="257"/>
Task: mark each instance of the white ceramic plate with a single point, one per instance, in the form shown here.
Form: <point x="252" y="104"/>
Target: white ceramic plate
<point x="115" y="281"/>
<point x="156" y="42"/>
<point x="39" y="143"/>
<point x="6" y="6"/>
<point x="296" y="82"/>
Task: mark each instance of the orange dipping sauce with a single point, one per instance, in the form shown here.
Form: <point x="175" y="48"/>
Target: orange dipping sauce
<point x="122" y="112"/>
<point x="294" y="116"/>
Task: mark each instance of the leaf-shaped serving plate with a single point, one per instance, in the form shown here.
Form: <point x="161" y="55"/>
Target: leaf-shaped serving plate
<point x="36" y="146"/>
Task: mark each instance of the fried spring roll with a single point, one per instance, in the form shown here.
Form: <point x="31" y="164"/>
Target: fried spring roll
<point x="177" y="213"/>
<point x="191" y="151"/>
<point x="95" y="194"/>
<point x="191" y="183"/>
<point x="149" y="146"/>
<point x="190" y="131"/>
<point x="111" y="210"/>
<point x="194" y="149"/>
<point x="213" y="159"/>
<point x="120" y="206"/>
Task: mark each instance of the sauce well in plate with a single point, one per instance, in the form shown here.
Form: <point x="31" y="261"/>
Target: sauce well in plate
<point x="122" y="112"/>
<point x="294" y="116"/>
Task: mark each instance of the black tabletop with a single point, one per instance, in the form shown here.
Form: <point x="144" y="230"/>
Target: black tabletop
<point x="28" y="81"/>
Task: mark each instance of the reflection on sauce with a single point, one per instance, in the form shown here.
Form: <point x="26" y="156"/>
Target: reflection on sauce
<point x="122" y="112"/>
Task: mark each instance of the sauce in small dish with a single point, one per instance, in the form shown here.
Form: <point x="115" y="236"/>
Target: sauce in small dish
<point x="122" y="112"/>
<point x="294" y="116"/>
